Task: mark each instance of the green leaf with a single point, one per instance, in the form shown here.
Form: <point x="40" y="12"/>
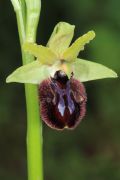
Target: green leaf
<point x="61" y="37"/>
<point x="72" y="52"/>
<point x="44" y="54"/>
<point x="33" y="73"/>
<point x="86" y="70"/>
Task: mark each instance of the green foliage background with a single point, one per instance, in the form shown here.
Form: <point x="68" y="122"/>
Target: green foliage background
<point x="92" y="151"/>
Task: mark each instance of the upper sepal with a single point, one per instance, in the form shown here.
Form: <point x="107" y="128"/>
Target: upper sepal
<point x="61" y="37"/>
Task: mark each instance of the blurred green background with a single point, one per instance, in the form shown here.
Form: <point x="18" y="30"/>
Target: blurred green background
<point x="92" y="150"/>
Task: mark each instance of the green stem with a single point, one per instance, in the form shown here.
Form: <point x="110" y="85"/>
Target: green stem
<point x="34" y="135"/>
<point x="27" y="27"/>
<point x="23" y="9"/>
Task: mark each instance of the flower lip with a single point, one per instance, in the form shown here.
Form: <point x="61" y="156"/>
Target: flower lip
<point x="61" y="104"/>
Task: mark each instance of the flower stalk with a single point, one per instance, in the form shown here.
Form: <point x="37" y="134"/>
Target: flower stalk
<point x="27" y="14"/>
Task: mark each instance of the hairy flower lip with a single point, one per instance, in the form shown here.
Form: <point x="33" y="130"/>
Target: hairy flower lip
<point x="63" y="101"/>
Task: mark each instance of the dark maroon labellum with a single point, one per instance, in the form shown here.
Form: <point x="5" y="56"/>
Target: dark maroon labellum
<point x="63" y="101"/>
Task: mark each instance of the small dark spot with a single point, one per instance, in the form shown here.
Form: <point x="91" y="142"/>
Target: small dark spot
<point x="61" y="77"/>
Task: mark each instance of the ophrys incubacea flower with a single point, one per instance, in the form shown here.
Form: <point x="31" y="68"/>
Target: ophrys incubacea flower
<point x="60" y="56"/>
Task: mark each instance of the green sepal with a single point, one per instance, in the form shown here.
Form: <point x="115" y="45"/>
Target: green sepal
<point x="61" y="37"/>
<point x="33" y="73"/>
<point x="86" y="70"/>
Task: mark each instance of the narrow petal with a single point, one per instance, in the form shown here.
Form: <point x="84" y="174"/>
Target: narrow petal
<point x="61" y="37"/>
<point x="33" y="73"/>
<point x="44" y="54"/>
<point x="72" y="52"/>
<point x="86" y="70"/>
